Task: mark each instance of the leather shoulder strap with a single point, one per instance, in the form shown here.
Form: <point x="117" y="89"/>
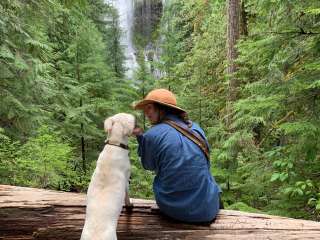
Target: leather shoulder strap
<point x="193" y="136"/>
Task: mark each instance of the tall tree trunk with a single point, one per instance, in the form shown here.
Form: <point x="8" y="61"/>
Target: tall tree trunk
<point x="116" y="46"/>
<point x="83" y="150"/>
<point x="233" y="36"/>
<point x="81" y="124"/>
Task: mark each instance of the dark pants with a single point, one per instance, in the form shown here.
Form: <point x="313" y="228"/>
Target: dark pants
<point x="193" y="223"/>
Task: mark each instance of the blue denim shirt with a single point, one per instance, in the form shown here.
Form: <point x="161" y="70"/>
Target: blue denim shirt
<point x="183" y="186"/>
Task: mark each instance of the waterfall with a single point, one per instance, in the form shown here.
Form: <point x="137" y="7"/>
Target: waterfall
<point x="125" y="10"/>
<point x="148" y="14"/>
<point x="142" y="17"/>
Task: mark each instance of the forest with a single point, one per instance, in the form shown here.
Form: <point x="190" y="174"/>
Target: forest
<point x="248" y="71"/>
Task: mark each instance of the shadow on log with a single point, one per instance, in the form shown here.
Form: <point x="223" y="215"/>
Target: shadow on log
<point x="29" y="213"/>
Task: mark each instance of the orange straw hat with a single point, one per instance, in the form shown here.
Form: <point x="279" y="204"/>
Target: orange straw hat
<point x="160" y="96"/>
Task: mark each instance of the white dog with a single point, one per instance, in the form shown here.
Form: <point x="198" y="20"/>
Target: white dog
<point x="109" y="183"/>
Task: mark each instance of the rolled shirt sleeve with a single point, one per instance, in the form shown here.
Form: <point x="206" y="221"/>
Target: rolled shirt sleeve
<point x="147" y="152"/>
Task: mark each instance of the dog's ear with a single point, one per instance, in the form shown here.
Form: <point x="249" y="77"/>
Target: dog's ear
<point x="128" y="124"/>
<point x="108" y="123"/>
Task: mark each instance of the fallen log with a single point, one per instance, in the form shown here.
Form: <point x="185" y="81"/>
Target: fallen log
<point x="29" y="213"/>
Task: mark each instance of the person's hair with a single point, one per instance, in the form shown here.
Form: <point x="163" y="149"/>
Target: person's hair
<point x="168" y="110"/>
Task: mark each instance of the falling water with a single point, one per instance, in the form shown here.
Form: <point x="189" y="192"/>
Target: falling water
<point x="144" y="21"/>
<point x="126" y="20"/>
<point x="148" y="14"/>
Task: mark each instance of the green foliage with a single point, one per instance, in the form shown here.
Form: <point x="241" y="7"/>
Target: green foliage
<point x="267" y="155"/>
<point x="141" y="180"/>
<point x="8" y="155"/>
<point x="276" y="87"/>
<point x="43" y="160"/>
<point x="25" y="72"/>
<point x="240" y="206"/>
<point x="61" y="65"/>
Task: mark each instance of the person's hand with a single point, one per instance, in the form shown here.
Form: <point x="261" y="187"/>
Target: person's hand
<point x="137" y="131"/>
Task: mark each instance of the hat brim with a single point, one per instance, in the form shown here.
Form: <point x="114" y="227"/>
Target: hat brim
<point x="143" y="103"/>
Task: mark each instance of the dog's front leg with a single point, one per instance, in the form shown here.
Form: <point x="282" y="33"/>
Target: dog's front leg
<point x="128" y="205"/>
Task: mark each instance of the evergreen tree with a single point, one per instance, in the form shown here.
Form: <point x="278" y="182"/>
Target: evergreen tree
<point x="56" y="69"/>
<point x="269" y="149"/>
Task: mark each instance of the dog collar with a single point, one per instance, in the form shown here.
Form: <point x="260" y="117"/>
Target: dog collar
<point x="117" y="144"/>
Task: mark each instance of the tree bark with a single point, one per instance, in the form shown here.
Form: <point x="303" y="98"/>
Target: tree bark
<point x="29" y="213"/>
<point x="233" y="34"/>
<point x="232" y="54"/>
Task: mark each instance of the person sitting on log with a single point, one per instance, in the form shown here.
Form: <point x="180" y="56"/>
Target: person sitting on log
<point x="178" y="152"/>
